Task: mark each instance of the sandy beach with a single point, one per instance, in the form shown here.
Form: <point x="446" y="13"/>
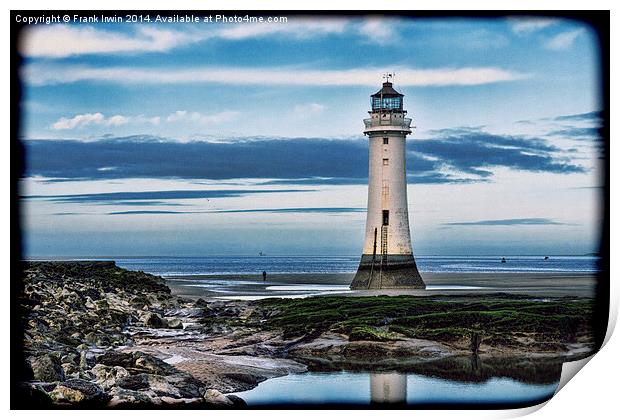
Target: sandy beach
<point x="250" y="287"/>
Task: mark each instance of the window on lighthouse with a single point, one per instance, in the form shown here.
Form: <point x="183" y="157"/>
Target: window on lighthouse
<point x="386" y="162"/>
<point x="386" y="140"/>
<point x="386" y="217"/>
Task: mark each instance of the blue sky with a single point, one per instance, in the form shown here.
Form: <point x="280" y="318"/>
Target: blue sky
<point x="201" y="139"/>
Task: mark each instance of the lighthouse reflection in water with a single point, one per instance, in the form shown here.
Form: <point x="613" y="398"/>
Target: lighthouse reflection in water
<point x="392" y="388"/>
<point x="388" y="388"/>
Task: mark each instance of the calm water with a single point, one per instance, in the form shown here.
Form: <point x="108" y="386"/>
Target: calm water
<point x="178" y="266"/>
<point x="364" y="388"/>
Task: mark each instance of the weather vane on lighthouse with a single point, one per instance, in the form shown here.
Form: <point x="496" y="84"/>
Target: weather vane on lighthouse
<point x="388" y="77"/>
<point x="387" y="259"/>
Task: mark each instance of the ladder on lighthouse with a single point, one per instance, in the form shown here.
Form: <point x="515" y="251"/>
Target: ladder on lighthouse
<point x="384" y="251"/>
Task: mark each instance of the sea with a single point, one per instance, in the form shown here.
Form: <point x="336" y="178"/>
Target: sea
<point x="224" y="265"/>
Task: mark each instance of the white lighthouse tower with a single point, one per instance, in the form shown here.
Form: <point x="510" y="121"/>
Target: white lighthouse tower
<point x="387" y="259"/>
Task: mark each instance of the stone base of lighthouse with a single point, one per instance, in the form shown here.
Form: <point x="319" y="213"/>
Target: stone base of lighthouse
<point x="393" y="272"/>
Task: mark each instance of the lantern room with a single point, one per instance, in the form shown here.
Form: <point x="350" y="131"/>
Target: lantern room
<point x="387" y="99"/>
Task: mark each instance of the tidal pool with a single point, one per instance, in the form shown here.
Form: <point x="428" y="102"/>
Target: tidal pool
<point x="392" y="388"/>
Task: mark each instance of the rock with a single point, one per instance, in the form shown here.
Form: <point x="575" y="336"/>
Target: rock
<point x="185" y="312"/>
<point x="150" y="364"/>
<point x="186" y="384"/>
<point x="47" y="368"/>
<point x="151" y="319"/>
<point x="237" y="401"/>
<point x="178" y="385"/>
<point x="89" y="304"/>
<point x="91" y="338"/>
<point x="102" y="304"/>
<point x="182" y="401"/>
<point x="215" y="397"/>
<point x="71" y="370"/>
<point x="128" y="398"/>
<point x="83" y="307"/>
<point x="107" y="376"/>
<point x="116" y="358"/>
<point x="162" y="388"/>
<point x="69" y="358"/>
<point x="33" y="396"/>
<point x="77" y="391"/>
<point x="134" y="382"/>
<point x="87" y="359"/>
<point x="175" y="323"/>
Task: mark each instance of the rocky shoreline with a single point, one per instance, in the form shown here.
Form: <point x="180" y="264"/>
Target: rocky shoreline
<point x="101" y="336"/>
<point x="83" y="318"/>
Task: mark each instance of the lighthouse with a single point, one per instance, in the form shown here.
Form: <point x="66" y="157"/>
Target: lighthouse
<point x="387" y="259"/>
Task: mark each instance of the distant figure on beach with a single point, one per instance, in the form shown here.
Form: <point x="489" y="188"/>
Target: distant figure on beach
<point x="503" y="260"/>
<point x="264" y="276"/>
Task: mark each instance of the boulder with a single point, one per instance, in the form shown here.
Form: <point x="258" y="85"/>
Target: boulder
<point x="186" y="312"/>
<point x="116" y="358"/>
<point x="47" y="368"/>
<point x="78" y="391"/>
<point x="175" y="323"/>
<point x="182" y="401"/>
<point x="149" y="364"/>
<point x="128" y="398"/>
<point x="153" y="320"/>
<point x="186" y="384"/>
<point x="33" y="396"/>
<point x="107" y="376"/>
<point x="134" y="382"/>
<point x="163" y="388"/>
<point x="215" y="397"/>
<point x="71" y="370"/>
<point x="237" y="401"/>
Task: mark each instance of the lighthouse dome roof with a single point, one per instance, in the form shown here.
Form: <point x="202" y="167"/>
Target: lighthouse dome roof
<point x="387" y="91"/>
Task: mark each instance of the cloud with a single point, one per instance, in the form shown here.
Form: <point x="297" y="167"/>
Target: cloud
<point x="198" y="118"/>
<point x="264" y="158"/>
<point x="59" y="41"/>
<point x="507" y="222"/>
<point x="146" y="197"/>
<point x="312" y="108"/>
<point x="298" y="210"/>
<point x="577" y="133"/>
<point x="474" y="152"/>
<point x="296" y="28"/>
<point x="141" y="202"/>
<point x="564" y="40"/>
<point x="594" y="116"/>
<point x="47" y="74"/>
<point x="460" y="155"/>
<point x="78" y="121"/>
<point x="148" y="212"/>
<point x="528" y="25"/>
<point x="379" y="30"/>
<point x="97" y="118"/>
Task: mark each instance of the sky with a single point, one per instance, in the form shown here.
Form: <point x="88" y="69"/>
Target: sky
<point x="194" y="139"/>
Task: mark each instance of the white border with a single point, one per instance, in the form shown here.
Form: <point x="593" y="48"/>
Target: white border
<point x="592" y="395"/>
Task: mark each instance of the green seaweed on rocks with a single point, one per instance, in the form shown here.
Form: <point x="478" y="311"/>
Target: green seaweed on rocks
<point x="497" y="319"/>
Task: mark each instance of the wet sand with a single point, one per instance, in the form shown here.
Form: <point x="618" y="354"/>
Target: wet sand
<point x="250" y="287"/>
